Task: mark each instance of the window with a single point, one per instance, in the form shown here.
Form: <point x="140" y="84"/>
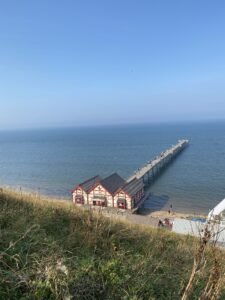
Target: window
<point x="121" y="203"/>
<point x="79" y="199"/>
<point x="99" y="200"/>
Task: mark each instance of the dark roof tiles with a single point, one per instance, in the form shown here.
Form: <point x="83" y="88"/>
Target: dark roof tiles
<point x="112" y="183"/>
<point x="88" y="184"/>
<point x="131" y="188"/>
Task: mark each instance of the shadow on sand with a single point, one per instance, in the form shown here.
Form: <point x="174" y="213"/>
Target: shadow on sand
<point x="153" y="203"/>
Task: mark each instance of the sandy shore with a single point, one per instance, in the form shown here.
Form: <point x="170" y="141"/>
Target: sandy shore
<point x="165" y="214"/>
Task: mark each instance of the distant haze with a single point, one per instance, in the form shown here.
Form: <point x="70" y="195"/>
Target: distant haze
<point x="75" y="63"/>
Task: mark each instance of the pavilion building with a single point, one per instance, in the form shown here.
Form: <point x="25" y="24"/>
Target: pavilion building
<point x="130" y="194"/>
<point x="80" y="193"/>
<point x="102" y="194"/>
<point x="112" y="191"/>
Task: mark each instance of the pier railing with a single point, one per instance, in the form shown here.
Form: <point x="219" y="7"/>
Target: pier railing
<point x="153" y="167"/>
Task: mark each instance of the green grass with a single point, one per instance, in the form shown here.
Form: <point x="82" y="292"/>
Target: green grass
<point x="53" y="250"/>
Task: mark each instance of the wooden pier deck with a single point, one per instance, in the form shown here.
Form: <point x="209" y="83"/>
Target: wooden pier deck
<point x="152" y="168"/>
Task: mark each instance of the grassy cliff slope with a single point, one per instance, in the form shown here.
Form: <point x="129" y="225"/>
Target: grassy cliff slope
<point x="53" y="250"/>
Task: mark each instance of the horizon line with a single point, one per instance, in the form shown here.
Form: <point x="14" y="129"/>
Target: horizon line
<point x="169" y="122"/>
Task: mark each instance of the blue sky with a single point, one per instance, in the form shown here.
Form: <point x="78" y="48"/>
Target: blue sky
<point x="72" y="63"/>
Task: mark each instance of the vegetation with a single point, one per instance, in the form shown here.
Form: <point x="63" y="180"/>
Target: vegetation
<point x="53" y="250"/>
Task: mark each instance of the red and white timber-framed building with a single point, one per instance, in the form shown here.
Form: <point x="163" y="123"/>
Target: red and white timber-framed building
<point x="80" y="193"/>
<point x="102" y="194"/>
<point x="113" y="191"/>
<point x="130" y="195"/>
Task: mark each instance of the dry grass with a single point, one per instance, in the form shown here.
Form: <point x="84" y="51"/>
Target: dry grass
<point x="50" y="249"/>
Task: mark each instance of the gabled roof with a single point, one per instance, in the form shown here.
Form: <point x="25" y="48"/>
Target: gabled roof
<point x="88" y="184"/>
<point x="112" y="183"/>
<point x="131" y="188"/>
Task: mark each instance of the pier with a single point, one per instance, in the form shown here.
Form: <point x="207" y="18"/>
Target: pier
<point x="154" y="167"/>
<point x="115" y="192"/>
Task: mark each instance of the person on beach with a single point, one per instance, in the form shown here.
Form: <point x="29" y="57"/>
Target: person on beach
<point x="160" y="223"/>
<point x="170" y="209"/>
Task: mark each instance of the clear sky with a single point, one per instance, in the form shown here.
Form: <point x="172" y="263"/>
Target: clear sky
<point x="72" y="63"/>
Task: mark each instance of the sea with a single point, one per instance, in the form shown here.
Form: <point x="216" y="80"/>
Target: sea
<point x="52" y="161"/>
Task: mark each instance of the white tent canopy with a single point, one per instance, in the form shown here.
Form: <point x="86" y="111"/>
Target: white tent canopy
<point x="217" y="210"/>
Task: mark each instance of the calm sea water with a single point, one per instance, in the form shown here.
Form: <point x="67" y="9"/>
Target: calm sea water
<point x="55" y="160"/>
